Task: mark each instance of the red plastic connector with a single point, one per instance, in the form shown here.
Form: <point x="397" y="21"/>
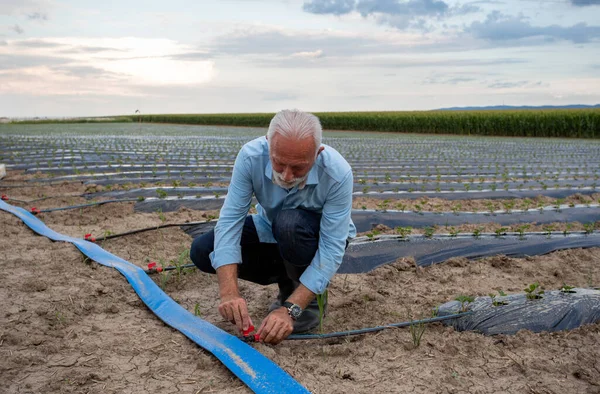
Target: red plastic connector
<point x="35" y="211"/>
<point x="4" y="197"/>
<point x="88" y="237"/>
<point x="247" y="331"/>
<point x="151" y="265"/>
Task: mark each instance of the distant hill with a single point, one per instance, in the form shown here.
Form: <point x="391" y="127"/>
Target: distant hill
<point x="510" y="107"/>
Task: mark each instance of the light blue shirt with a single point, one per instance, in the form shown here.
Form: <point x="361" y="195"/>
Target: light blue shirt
<point x="328" y="191"/>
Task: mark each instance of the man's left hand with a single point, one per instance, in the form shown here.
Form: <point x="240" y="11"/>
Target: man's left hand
<point x="276" y="327"/>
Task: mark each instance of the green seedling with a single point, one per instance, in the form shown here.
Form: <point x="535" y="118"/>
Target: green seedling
<point x="477" y="232"/>
<point x="495" y="302"/>
<point x="162" y="194"/>
<point x="429" y="231"/>
<point x="403" y="231"/>
<point x="522" y="229"/>
<point x="453" y="232"/>
<point x="567" y="228"/>
<point x="500" y="231"/>
<point x="197" y="310"/>
<point x="567" y="289"/>
<point x="161" y="215"/>
<point x="141" y="198"/>
<point x="464" y="301"/>
<point x="588" y="228"/>
<point x="534" y="291"/>
<point x="548" y="230"/>
<point x="416" y="332"/>
<point x="321" y="302"/>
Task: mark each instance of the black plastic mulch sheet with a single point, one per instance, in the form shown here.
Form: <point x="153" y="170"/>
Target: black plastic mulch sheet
<point x="174" y="205"/>
<point x="555" y="311"/>
<point x="366" y="256"/>
<point x="476" y="195"/>
<point x="365" y="221"/>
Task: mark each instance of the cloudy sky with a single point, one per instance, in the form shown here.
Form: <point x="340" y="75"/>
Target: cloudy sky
<point x="81" y="57"/>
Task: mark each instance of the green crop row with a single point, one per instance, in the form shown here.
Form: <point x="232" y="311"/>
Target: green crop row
<point x="575" y="123"/>
<point x="525" y="123"/>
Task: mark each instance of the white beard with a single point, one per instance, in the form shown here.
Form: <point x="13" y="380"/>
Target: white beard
<point x="278" y="180"/>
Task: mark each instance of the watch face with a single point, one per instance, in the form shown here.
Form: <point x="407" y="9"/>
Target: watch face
<point x="295" y="311"/>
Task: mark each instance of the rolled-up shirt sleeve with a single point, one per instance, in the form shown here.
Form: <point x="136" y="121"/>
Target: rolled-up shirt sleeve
<point x="228" y="231"/>
<point x="335" y="222"/>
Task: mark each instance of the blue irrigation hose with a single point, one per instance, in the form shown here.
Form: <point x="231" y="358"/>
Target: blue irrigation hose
<point x="375" y="329"/>
<point x="254" y="369"/>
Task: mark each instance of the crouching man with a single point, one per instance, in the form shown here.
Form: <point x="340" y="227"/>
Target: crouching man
<point x="299" y="235"/>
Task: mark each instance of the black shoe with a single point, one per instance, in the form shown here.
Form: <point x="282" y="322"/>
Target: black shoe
<point x="286" y="289"/>
<point x="309" y="319"/>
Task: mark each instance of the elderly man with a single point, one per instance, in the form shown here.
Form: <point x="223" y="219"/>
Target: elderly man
<point x="299" y="235"/>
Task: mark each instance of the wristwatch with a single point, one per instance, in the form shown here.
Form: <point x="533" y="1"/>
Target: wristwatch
<point x="293" y="310"/>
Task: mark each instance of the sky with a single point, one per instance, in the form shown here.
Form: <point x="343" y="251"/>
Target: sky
<point x="101" y="58"/>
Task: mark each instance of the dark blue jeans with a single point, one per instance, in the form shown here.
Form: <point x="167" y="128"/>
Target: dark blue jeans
<point x="297" y="235"/>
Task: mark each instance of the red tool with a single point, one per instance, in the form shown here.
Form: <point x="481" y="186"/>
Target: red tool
<point x="250" y="337"/>
<point x="152" y="266"/>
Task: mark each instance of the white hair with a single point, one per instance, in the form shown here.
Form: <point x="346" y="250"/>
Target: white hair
<point x="296" y="124"/>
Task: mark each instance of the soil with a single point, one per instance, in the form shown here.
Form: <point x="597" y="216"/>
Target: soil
<point x="72" y="326"/>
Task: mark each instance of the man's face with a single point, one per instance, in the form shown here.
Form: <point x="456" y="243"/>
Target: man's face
<point x="292" y="160"/>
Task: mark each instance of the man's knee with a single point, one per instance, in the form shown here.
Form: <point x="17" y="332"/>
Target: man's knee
<point x="200" y="251"/>
<point x="297" y="234"/>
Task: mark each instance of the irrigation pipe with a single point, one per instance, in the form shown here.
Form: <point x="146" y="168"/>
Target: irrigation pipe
<point x="377" y="328"/>
<point x="254" y="369"/>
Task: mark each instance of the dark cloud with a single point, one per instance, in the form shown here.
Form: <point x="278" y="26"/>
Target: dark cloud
<point x="17" y="29"/>
<point x="9" y="62"/>
<point x="335" y="7"/>
<point x="515" y="84"/>
<point x="500" y="27"/>
<point x="42" y="16"/>
<point x="396" y="13"/>
<point x="584" y="3"/>
<point x="36" y="44"/>
<point x="396" y="7"/>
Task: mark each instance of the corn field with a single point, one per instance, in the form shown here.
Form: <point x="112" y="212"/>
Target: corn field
<point x="543" y="123"/>
<point x="570" y="123"/>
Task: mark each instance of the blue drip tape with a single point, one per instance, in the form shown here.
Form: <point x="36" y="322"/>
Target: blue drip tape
<point x="255" y="370"/>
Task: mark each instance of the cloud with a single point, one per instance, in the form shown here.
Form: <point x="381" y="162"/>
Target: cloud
<point x="584" y="3"/>
<point x="500" y="27"/>
<point x="17" y="29"/>
<point x="335" y="7"/>
<point x="12" y="61"/>
<point x="395" y="13"/>
<point x="309" y="55"/>
<point x="35" y="43"/>
<point x="42" y="16"/>
<point x="191" y="56"/>
<point x="98" y="66"/>
<point x="396" y="7"/>
<point x="448" y="80"/>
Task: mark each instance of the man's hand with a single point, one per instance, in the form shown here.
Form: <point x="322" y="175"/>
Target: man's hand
<point x="233" y="308"/>
<point x="276" y="327"/>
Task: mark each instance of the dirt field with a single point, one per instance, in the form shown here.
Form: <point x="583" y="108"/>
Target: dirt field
<point x="72" y="326"/>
